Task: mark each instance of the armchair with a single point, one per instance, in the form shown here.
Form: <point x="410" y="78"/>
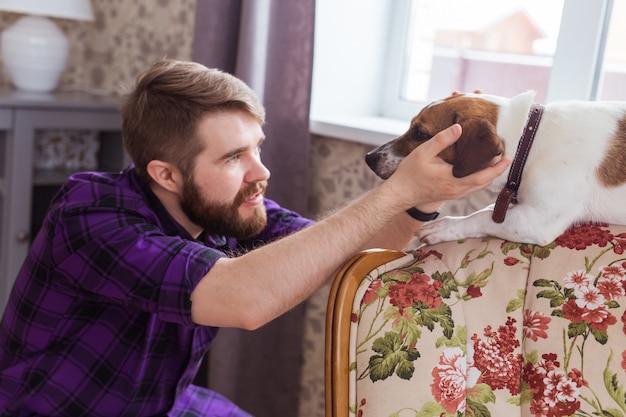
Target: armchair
<point x="481" y="327"/>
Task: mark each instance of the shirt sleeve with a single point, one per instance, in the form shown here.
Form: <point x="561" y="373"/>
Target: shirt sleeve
<point x="122" y="256"/>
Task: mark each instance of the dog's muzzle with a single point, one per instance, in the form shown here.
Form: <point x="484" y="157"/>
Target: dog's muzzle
<point x="377" y="163"/>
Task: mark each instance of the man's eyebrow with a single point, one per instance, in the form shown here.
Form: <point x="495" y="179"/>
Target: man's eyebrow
<point x="234" y="152"/>
<point x="240" y="150"/>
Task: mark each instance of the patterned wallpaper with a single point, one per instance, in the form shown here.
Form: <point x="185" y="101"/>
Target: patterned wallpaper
<point x="124" y="38"/>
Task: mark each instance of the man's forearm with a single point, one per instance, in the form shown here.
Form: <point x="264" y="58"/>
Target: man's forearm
<point x="399" y="234"/>
<point x="295" y="266"/>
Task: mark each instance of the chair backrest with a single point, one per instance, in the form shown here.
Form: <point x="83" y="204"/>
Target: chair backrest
<point x="338" y="322"/>
<point x="481" y="327"/>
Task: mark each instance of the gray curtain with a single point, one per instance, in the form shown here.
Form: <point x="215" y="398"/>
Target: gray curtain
<point x="269" y="45"/>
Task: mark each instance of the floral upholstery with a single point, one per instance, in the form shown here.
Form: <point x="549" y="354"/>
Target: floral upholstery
<point x="487" y="327"/>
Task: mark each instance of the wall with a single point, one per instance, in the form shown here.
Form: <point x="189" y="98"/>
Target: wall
<point x="124" y="38"/>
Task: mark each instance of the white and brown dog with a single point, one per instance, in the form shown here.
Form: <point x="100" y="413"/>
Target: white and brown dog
<point x="575" y="170"/>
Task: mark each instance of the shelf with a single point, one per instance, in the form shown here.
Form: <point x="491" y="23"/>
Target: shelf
<point x="22" y="207"/>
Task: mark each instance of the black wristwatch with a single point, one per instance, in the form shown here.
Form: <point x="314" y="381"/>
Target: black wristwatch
<point x="421" y="216"/>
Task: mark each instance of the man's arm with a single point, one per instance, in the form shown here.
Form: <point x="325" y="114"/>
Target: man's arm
<point x="399" y="234"/>
<point x="253" y="289"/>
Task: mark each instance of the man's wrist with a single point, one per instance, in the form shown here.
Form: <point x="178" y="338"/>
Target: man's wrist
<point x="421" y="216"/>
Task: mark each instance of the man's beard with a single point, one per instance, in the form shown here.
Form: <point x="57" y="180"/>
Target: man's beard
<point x="223" y="218"/>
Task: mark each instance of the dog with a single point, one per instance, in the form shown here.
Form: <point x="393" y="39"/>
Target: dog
<point x="575" y="170"/>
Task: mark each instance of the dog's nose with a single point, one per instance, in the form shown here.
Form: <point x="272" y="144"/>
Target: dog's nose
<point x="371" y="159"/>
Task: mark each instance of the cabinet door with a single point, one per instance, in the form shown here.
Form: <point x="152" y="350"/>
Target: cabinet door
<point x="16" y="235"/>
<point x="6" y="127"/>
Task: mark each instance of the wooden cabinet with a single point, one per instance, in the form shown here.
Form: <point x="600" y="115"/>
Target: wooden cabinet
<point x="22" y="115"/>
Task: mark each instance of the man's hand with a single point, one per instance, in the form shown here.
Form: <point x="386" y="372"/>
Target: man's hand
<point x="427" y="180"/>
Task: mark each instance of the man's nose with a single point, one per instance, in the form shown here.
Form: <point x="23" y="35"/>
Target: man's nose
<point x="259" y="172"/>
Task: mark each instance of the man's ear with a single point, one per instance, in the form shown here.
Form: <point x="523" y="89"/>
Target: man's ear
<point x="477" y="145"/>
<point x="166" y="175"/>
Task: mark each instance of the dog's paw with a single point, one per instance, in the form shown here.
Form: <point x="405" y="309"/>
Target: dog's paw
<point x="440" y="230"/>
<point x="450" y="228"/>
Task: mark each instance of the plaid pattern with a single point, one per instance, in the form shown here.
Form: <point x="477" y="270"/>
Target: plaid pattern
<point x="201" y="402"/>
<point x="99" y="319"/>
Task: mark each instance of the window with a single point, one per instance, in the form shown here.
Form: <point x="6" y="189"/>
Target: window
<point x="391" y="57"/>
<point x="502" y="47"/>
<point x="612" y="83"/>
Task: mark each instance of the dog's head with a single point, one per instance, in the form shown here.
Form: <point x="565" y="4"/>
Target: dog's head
<point x="478" y="145"/>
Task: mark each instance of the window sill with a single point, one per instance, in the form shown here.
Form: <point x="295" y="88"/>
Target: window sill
<point x="369" y="130"/>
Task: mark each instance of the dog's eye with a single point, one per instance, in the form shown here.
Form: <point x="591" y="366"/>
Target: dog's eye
<point x="419" y="135"/>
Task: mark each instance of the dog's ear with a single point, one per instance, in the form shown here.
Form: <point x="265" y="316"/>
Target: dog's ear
<point x="477" y="145"/>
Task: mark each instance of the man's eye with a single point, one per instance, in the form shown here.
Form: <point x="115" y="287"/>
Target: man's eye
<point x="234" y="158"/>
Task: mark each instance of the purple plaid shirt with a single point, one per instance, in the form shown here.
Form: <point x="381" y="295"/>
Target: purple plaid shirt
<point x="99" y="319"/>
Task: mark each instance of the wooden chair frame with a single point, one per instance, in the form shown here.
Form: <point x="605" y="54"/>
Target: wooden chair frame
<point x="338" y="321"/>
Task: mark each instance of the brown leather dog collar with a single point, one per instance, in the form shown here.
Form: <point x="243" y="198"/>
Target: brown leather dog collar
<point x="508" y="195"/>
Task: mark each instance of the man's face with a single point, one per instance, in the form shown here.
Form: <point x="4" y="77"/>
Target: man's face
<point x="224" y="193"/>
